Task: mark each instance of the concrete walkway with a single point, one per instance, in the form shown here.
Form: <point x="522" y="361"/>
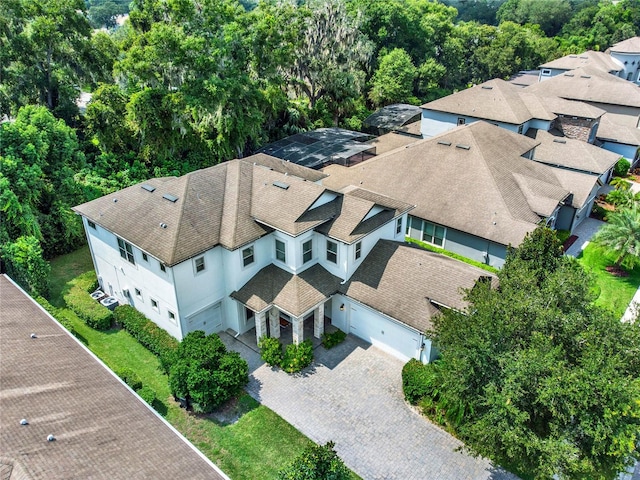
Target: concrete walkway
<point x="584" y="232"/>
<point x="352" y="395"/>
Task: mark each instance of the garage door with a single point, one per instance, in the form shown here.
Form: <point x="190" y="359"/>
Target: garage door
<point x="208" y="320"/>
<point x="385" y="334"/>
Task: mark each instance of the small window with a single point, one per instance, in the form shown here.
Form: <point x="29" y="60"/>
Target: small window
<point x="172" y="317"/>
<point x="398" y="226"/>
<point x="461" y="121"/>
<point x="163" y="267"/>
<point x="432" y="233"/>
<point x="154" y="305"/>
<point x="546" y="72"/>
<point x="199" y="264"/>
<point x="520" y="127"/>
<point x="138" y="293"/>
<point x="91" y="224"/>
<point x="247" y="256"/>
<point x="145" y="257"/>
<point x="307" y="251"/>
<point x="281" y="253"/>
<point x="332" y="251"/>
<point x="126" y="251"/>
<point x="358" y="250"/>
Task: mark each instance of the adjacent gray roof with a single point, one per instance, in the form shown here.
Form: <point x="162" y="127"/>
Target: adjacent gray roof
<point x="391" y="141"/>
<point x="487" y="190"/>
<point x="554" y="149"/>
<point x="294" y="294"/>
<point x="630" y="45"/>
<point x="392" y="117"/>
<point x="525" y="78"/>
<point x="318" y="147"/>
<point x="611" y="131"/>
<point x="102" y="429"/>
<point x="595" y="59"/>
<point x="589" y="84"/>
<point x="401" y="281"/>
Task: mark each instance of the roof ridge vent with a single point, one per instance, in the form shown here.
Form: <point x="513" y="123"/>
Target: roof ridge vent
<point x="282" y="185"/>
<point x="584" y="56"/>
<point x="147" y="187"/>
<point x="585" y="76"/>
<point x="442" y="142"/>
<point x="171" y="198"/>
<point x="487" y="87"/>
<point x="569" y="75"/>
<point x="573" y="56"/>
<point x="463" y="147"/>
<point x="559" y="140"/>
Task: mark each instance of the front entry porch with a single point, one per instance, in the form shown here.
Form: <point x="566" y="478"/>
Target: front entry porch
<point x="249" y="337"/>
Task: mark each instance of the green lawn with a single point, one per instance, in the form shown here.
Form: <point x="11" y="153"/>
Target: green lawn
<point x="615" y="292"/>
<point x="256" y="446"/>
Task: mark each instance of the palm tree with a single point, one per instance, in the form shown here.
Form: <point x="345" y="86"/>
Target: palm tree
<point x="621" y="235"/>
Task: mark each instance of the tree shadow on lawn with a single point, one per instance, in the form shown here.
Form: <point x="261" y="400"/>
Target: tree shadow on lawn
<point x="232" y="410"/>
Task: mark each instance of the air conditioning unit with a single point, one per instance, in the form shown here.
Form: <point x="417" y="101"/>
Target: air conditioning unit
<point x="110" y="302"/>
<point x="98" y="295"/>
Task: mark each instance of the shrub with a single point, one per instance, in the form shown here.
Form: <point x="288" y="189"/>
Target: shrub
<point x="62" y="316"/>
<point x="204" y="373"/>
<point x="271" y="351"/>
<point x="417" y="379"/>
<point x="129" y="377"/>
<point x="80" y="302"/>
<point x="330" y="340"/>
<point x="148" y="394"/>
<point x="317" y="462"/>
<point x="621" y="168"/>
<point x="155" y="339"/>
<point x="297" y="357"/>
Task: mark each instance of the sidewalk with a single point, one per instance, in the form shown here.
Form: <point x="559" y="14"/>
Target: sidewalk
<point x="584" y="232"/>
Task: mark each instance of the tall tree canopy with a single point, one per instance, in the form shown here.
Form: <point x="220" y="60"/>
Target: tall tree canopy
<point x="534" y="375"/>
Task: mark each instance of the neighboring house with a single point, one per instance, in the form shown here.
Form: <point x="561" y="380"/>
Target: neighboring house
<point x="475" y="189"/>
<point x="513" y="108"/>
<point x="627" y="53"/>
<point x="393" y="118"/>
<point x="621" y="139"/>
<point x="101" y="428"/>
<point x="564" y="64"/>
<point x="248" y="244"/>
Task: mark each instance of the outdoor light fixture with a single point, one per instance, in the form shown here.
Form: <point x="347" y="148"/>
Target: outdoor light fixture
<point x="342" y="307"/>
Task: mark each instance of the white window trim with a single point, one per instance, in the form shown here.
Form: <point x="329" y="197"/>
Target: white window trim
<point x="253" y="254"/>
<point x="138" y="294"/>
<point x="545" y="72"/>
<point x="155" y="307"/>
<point x="398" y="226"/>
<point x="124" y="248"/>
<point x="333" y="253"/>
<point x="310" y="241"/>
<point x="172" y="317"/>
<point x="195" y="265"/>
<point x="284" y="251"/>
<point x="357" y="249"/>
<point x="92" y="224"/>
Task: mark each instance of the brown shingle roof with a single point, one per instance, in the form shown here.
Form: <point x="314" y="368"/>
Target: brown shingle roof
<point x="630" y="45"/>
<point x="400" y="281"/>
<point x="294" y="294"/>
<point x="554" y="149"/>
<point x="613" y="131"/>
<point x="215" y="206"/>
<point x="102" y="429"/>
<point x="487" y="190"/>
<point x="590" y="84"/>
<point x="598" y="60"/>
<point x="391" y="141"/>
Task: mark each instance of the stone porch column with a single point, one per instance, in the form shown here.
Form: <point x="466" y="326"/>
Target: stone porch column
<point x="297" y="325"/>
<point x="274" y="322"/>
<point x="261" y="325"/>
<point x="318" y="321"/>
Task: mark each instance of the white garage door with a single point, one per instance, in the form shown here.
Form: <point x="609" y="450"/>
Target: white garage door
<point x="208" y="320"/>
<point x="385" y="334"/>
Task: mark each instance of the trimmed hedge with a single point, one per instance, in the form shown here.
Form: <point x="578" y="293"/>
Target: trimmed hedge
<point x="417" y="380"/>
<point x="622" y="167"/>
<point x="130" y="377"/>
<point x="155" y="339"/>
<point x="148" y="394"/>
<point x="297" y="357"/>
<point x="330" y="340"/>
<point x="60" y="315"/>
<point x="270" y="351"/>
<point x="79" y="300"/>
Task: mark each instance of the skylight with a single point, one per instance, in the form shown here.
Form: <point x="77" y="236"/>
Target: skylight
<point x="147" y="187"/>
<point x="171" y="198"/>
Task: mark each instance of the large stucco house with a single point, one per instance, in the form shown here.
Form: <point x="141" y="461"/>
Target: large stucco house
<point x="262" y="244"/>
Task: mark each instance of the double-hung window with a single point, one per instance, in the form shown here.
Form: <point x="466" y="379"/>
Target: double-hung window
<point x="332" y="251"/>
<point x="398" y="226"/>
<point x="307" y="251"/>
<point x="199" y="264"/>
<point x="358" y="250"/>
<point x="126" y="251"/>
<point x="281" y="253"/>
<point x="247" y="256"/>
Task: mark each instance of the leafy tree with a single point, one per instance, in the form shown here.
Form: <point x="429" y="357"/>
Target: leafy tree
<point x="551" y="15"/>
<point x="621" y="235"/>
<point x="205" y="373"/>
<point x="317" y="462"/>
<point x="25" y="264"/>
<point x="534" y="375"/>
<point x="393" y="81"/>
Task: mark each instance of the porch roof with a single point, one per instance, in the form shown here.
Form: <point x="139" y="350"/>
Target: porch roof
<point x="294" y="294"/>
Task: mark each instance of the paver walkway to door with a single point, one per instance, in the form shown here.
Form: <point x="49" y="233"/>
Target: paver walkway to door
<point x="352" y="395"/>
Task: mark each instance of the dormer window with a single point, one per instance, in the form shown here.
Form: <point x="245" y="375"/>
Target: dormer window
<point x="332" y="251"/>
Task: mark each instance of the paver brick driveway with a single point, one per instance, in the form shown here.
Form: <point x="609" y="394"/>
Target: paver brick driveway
<point x="353" y="395"/>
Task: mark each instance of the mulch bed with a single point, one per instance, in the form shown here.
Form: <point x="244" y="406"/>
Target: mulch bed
<point x="616" y="271"/>
<point x="568" y="242"/>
